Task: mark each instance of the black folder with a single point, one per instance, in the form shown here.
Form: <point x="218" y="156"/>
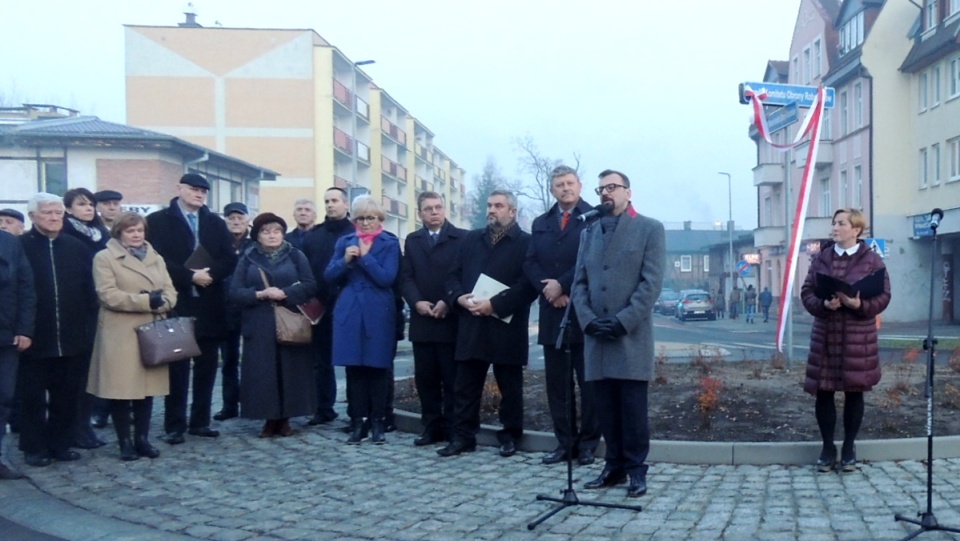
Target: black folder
<point x="199" y="259"/>
<point x="870" y="286"/>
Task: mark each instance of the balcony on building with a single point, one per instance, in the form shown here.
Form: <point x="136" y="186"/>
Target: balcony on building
<point x="769" y="236"/>
<point x="363" y="153"/>
<point x="363" y="110"/>
<point x="422" y="185"/>
<point x="817" y="227"/>
<point x="343" y="142"/>
<point x="342" y="95"/>
<point x="340" y="182"/>
<point x="824" y="154"/>
<point x="768" y="174"/>
<point x="393" y="131"/>
<point x="393" y="207"/>
<point x="393" y="169"/>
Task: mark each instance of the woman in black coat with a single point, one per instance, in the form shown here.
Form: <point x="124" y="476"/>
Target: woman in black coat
<point x="276" y="381"/>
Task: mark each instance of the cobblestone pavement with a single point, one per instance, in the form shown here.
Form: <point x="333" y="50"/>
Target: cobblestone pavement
<point x="314" y="486"/>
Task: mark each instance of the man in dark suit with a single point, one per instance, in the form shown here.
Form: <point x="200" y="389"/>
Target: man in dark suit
<point x="318" y="245"/>
<point x="177" y="232"/>
<point x="427" y="254"/>
<point x="549" y="267"/>
<point x="238" y="223"/>
<point x="483" y="336"/>
<point x="18" y="311"/>
<point x="618" y="277"/>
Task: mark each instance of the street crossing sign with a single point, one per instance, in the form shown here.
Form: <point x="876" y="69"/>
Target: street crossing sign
<point x="879" y="246"/>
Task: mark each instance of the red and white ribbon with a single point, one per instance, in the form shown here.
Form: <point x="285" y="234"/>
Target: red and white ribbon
<point x="811" y="126"/>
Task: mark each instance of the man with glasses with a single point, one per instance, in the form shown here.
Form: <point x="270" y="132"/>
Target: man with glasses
<point x="178" y="232"/>
<point x="618" y="278"/>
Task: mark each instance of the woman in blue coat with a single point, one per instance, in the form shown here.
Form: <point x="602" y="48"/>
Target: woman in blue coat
<point x="364" y="266"/>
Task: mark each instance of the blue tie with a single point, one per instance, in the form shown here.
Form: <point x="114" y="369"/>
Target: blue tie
<point x="192" y="220"/>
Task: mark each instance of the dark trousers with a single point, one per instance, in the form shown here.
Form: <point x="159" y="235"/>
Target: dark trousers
<point x="323" y="364"/>
<point x="230" y="372"/>
<point x="435" y="374"/>
<point x="46" y="423"/>
<point x="766" y="312"/>
<point x="8" y="381"/>
<point x="622" y="407"/>
<point x="468" y="390"/>
<point x="204" y="368"/>
<point x="367" y="392"/>
<point x="559" y="384"/>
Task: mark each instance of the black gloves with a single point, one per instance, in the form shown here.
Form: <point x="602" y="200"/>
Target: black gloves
<point x="156" y="299"/>
<point x="605" y="328"/>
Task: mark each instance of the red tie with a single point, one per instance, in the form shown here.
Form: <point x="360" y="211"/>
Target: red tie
<point x="566" y="218"/>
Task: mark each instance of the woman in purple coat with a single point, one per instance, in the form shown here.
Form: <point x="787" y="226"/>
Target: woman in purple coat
<point x="364" y="266"/>
<point x="844" y="355"/>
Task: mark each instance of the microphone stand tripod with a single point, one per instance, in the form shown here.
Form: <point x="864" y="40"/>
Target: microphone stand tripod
<point x="569" y="498"/>
<point x="927" y="521"/>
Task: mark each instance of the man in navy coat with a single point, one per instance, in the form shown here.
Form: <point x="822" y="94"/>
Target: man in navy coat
<point x="427" y="254"/>
<point x="176" y="232"/>
<point x="549" y="267"/>
<point x="18" y="310"/>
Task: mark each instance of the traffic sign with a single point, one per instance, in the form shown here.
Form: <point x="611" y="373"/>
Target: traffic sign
<point x="783" y="117"/>
<point x="784" y="95"/>
<point x="921" y="225"/>
<point x="743" y="268"/>
<point x="877" y="245"/>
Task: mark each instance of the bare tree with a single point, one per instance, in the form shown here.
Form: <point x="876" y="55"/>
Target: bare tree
<point x="538" y="167"/>
<point x="488" y="181"/>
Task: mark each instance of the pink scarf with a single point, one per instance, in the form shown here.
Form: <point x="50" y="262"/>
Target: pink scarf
<point x="367" y="238"/>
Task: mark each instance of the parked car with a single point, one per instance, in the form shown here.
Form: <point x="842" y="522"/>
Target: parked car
<point x="695" y="303"/>
<point x="667" y="302"/>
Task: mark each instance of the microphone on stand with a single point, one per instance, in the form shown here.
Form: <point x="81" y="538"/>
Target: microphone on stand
<point x="595" y="212"/>
<point x="935" y="216"/>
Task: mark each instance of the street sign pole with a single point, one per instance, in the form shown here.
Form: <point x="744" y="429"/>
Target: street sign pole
<point x="788" y="322"/>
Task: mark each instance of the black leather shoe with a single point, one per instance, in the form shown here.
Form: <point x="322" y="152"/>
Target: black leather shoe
<point x="427" y="438"/>
<point x="607" y="478"/>
<point x="558" y="455"/>
<point x="586" y="457"/>
<point x="143" y="448"/>
<point x="322" y="418"/>
<point x="637" y="487"/>
<point x="37" y="461"/>
<point x="223" y="415"/>
<point x="508" y="448"/>
<point x="827" y="460"/>
<point x="88" y="441"/>
<point x="456" y="447"/>
<point x="204" y="432"/>
<point x="173" y="438"/>
<point x="66" y="456"/>
<point x="848" y="461"/>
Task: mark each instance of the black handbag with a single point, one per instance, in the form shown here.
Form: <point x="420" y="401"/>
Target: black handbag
<point x="165" y="341"/>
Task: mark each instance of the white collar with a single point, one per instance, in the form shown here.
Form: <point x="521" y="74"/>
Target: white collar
<point x="849" y="251"/>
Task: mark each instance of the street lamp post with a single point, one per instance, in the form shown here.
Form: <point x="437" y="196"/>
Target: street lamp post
<point x="733" y="267"/>
<point x="353" y="124"/>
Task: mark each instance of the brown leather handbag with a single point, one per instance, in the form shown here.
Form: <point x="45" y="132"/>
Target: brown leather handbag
<point x="165" y="341"/>
<point x="293" y="328"/>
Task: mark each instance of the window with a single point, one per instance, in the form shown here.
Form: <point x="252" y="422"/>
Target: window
<point x="806" y="65"/>
<point x="825" y="208"/>
<point x="686" y="263"/>
<point x="930" y="18"/>
<point x="924" y="168"/>
<point x="855" y="143"/>
<point x="954" y="151"/>
<point x="843" y="189"/>
<point x="706" y="263"/>
<point x="767" y="212"/>
<point x="954" y="8"/>
<point x="842" y="151"/>
<point x="954" y="82"/>
<point x="844" y="128"/>
<point x="935" y="86"/>
<point x="922" y="92"/>
<point x="857" y="187"/>
<point x="935" y="164"/>
<point x="825" y="128"/>
<point x="851" y="34"/>
<point x="858" y="105"/>
<point x="54" y="178"/>
<point x="817" y="55"/>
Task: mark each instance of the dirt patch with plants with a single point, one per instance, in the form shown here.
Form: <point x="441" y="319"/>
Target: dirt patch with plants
<point x="709" y="399"/>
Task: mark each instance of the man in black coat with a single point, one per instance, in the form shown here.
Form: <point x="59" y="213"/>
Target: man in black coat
<point x="50" y="374"/>
<point x="238" y="223"/>
<point x="318" y="246"/>
<point x="18" y="311"/>
<point x="483" y="335"/>
<point x="550" y="265"/>
<point x="427" y="254"/>
<point x="178" y="232"/>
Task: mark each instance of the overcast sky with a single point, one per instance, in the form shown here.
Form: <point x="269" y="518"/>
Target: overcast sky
<point x="649" y="88"/>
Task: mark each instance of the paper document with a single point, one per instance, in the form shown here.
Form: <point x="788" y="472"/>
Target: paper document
<point x="486" y="288"/>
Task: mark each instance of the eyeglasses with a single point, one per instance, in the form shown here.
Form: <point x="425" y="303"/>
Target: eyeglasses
<point x="367" y="218"/>
<point x="609" y="188"/>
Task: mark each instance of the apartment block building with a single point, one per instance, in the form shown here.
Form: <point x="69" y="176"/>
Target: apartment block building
<point x="292" y="101"/>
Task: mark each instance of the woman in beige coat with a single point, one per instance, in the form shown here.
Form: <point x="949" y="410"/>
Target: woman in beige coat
<point x="133" y="286"/>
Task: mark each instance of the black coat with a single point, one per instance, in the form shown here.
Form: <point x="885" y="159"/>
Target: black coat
<point x="170" y="235"/>
<point x="18" y="300"/>
<point x="318" y="245"/>
<point x="553" y="254"/>
<point x="422" y="275"/>
<point x="94" y="245"/>
<point x="67" y="302"/>
<point x="488" y="338"/>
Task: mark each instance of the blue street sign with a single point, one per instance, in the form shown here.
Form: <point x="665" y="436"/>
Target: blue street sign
<point x="921" y="226"/>
<point x="743" y="268"/>
<point x="784" y="95"/>
<point x="783" y="117"/>
<point x="877" y="245"/>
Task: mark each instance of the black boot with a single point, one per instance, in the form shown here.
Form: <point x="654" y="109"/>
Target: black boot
<point x="142" y="410"/>
<point x="84" y="437"/>
<point x="120" y="411"/>
<point x="357" y="432"/>
<point x="377" y="427"/>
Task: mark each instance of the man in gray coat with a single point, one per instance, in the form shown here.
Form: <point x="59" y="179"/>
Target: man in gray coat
<point x="618" y="278"/>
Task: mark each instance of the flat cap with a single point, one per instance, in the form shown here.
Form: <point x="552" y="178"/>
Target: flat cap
<point x="230" y="208"/>
<point x="12" y="213"/>
<point x="108" y="195"/>
<point x="195" y="180"/>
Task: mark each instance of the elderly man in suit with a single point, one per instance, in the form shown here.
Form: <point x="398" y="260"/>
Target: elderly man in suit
<point x="549" y="267"/>
<point x="427" y="254"/>
<point x="619" y="275"/>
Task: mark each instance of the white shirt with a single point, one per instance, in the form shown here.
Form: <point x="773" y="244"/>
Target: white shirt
<point x="849" y="251"/>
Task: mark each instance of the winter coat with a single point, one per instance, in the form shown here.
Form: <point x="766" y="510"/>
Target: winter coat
<point x="844" y="338"/>
<point x="553" y="254"/>
<point x="365" y="315"/>
<point x="488" y="338"/>
<point x="94" y="245"/>
<point x="271" y="372"/>
<point x="18" y="300"/>
<point x="66" y="300"/>
<point x="423" y="273"/>
<point x="172" y="238"/>
<point x="121" y="280"/>
<point x="623" y="280"/>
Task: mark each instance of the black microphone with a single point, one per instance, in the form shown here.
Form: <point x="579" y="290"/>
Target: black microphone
<point x="595" y="212"/>
<point x="935" y="216"/>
